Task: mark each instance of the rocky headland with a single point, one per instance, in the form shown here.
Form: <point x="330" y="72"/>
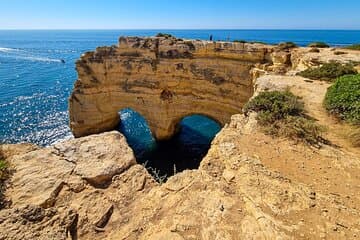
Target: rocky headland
<point x="250" y="185"/>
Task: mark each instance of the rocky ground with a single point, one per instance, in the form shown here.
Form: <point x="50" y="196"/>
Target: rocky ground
<point x="249" y="186"/>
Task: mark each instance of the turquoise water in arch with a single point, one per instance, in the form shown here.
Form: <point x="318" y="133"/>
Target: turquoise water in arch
<point x="184" y="151"/>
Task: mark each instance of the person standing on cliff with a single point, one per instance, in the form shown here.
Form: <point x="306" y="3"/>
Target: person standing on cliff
<point x="211" y="37"/>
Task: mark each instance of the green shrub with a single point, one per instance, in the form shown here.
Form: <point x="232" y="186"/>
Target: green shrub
<point x="340" y="53"/>
<point x="343" y="98"/>
<point x="287" y="45"/>
<point x="328" y="71"/>
<point x="281" y="113"/>
<point x="318" y="45"/>
<point x="240" y="41"/>
<point x="275" y="105"/>
<point x="314" y="50"/>
<point x="353" y="47"/>
<point x="165" y="35"/>
<point x="259" y="42"/>
<point x="251" y="42"/>
<point x="4" y="174"/>
<point x="3" y="165"/>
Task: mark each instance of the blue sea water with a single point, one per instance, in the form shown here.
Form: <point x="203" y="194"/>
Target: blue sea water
<point x="35" y="84"/>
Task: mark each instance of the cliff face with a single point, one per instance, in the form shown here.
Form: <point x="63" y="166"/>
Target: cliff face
<point x="249" y="186"/>
<point x="165" y="79"/>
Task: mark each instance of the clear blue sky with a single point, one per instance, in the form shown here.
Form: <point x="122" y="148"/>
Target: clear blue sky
<point x="184" y="14"/>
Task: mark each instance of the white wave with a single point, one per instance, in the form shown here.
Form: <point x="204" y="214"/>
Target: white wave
<point x="39" y="59"/>
<point x="4" y="49"/>
<point x="125" y="115"/>
<point x="33" y="58"/>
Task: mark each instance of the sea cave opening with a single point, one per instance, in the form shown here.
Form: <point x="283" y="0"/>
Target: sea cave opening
<point x="183" y="151"/>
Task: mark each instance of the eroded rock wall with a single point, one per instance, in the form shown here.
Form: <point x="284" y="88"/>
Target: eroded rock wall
<point x="164" y="79"/>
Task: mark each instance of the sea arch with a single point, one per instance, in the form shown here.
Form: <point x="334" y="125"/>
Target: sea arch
<point x="163" y="79"/>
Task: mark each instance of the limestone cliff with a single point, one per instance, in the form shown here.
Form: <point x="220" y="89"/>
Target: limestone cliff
<point x="166" y="79"/>
<point x="249" y="186"/>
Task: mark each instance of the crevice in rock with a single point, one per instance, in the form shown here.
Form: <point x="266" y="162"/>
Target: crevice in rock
<point x="105" y="218"/>
<point x="72" y="229"/>
<point x="101" y="183"/>
<point x="50" y="202"/>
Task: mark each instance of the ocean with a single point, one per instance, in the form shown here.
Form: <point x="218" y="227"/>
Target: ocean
<point x="35" y="84"/>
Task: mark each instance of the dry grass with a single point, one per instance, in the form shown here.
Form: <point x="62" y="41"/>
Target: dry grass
<point x="281" y="113"/>
<point x="354" y="137"/>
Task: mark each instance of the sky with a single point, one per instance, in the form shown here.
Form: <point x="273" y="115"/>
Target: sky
<point x="184" y="14"/>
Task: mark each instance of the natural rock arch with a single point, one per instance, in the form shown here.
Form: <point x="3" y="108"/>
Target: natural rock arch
<point x="165" y="80"/>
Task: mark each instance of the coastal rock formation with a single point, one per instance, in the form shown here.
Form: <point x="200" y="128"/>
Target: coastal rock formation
<point x="165" y="80"/>
<point x="303" y="58"/>
<point x="249" y="185"/>
<point x="64" y="191"/>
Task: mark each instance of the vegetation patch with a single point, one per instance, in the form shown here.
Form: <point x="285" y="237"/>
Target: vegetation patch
<point x="251" y="42"/>
<point x="318" y="45"/>
<point x="4" y="175"/>
<point x="240" y="41"/>
<point x="353" y="47"/>
<point x="287" y="45"/>
<point x="343" y="98"/>
<point x="281" y="113"/>
<point x="259" y="42"/>
<point x="328" y="71"/>
<point x="165" y="35"/>
<point x="314" y="50"/>
<point x="339" y="53"/>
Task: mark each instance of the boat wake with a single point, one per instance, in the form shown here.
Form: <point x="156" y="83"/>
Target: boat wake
<point x="19" y="54"/>
<point x="39" y="59"/>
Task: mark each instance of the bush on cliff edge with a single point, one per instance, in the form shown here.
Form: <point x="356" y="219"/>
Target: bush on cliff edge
<point x="343" y="100"/>
<point x="165" y="35"/>
<point x="318" y="45"/>
<point x="328" y="71"/>
<point x="281" y="113"/>
<point x="286" y="45"/>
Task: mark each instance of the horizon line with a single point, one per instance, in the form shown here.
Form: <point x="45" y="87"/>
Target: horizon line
<point x="177" y="29"/>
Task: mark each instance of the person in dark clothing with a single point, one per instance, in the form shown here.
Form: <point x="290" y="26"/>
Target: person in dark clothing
<point x="211" y="37"/>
